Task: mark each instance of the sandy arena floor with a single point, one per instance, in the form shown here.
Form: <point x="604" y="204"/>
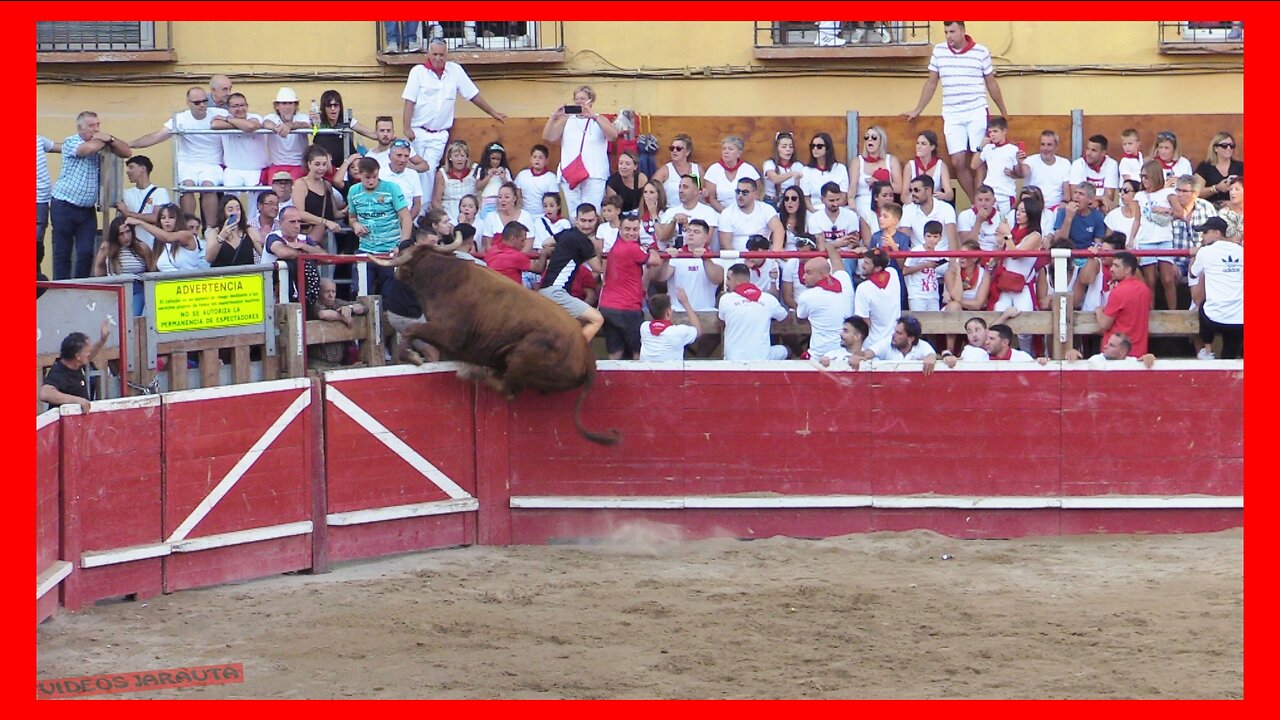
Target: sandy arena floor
<point x="647" y="616"/>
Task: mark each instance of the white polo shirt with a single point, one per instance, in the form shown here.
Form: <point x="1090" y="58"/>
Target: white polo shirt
<point x="408" y="179"/>
<point x="243" y="150"/>
<point x="667" y="347"/>
<point x="747" y="324"/>
<point x="196" y="149"/>
<point x="1048" y="178"/>
<point x="743" y="224"/>
<point x="826" y="311"/>
<point x="885" y="350"/>
<point x="434" y="95"/>
<point x="880" y="306"/>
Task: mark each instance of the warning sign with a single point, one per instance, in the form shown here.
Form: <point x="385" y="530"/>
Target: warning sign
<point x="209" y="303"/>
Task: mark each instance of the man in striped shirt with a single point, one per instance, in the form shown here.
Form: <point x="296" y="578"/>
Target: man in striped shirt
<point x="965" y="69"/>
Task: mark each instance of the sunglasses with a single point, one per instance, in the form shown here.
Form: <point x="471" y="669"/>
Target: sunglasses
<point x="741" y="191"/>
<point x="780" y="135"/>
<point x="1164" y="136"/>
<point x="1126" y="191"/>
<point x="790" y="198"/>
<point x="198" y="102"/>
<point x="333" y="104"/>
<point x="870" y="137"/>
<point x="817" y="145"/>
<point x="399" y="143"/>
<point x="1227" y="146"/>
<point x="677" y="148"/>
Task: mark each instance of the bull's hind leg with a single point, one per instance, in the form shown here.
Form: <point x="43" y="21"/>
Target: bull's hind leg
<point x="416" y="344"/>
<point x="486" y="376"/>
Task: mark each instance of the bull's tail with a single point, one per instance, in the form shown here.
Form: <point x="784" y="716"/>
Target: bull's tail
<point x="613" y="437"/>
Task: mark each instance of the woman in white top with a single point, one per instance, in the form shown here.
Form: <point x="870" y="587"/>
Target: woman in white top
<point x="967" y="282"/>
<point x="122" y="253"/>
<point x="550" y="222"/>
<point x="927" y="162"/>
<point x="1172" y="164"/>
<point x="1127" y="216"/>
<point x="875" y="164"/>
<point x="456" y="178"/>
<point x="668" y="176"/>
<point x="653" y="202"/>
<point x="823" y="168"/>
<point x="721" y="182"/>
<point x="490" y="174"/>
<point x="781" y="171"/>
<point x="508" y="210"/>
<point x="794" y="215"/>
<point x="582" y="134"/>
<point x="1156" y="231"/>
<point x="1026" y="236"/>
<point x="177" y="247"/>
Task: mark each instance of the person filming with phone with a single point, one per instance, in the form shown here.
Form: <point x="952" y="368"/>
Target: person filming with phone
<point x="584" y="140"/>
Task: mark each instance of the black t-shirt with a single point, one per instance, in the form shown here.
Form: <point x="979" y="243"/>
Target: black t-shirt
<point x="398" y="297"/>
<point x="631" y="197"/>
<point x="1209" y="172"/>
<point x="572" y="249"/>
<point x="65" y="380"/>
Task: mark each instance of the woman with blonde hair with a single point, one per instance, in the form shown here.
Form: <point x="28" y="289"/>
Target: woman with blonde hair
<point x="1219" y="167"/>
<point x="583" y="137"/>
<point x="455" y="179"/>
<point x="1172" y="162"/>
<point x="668" y="176"/>
<point x="875" y="164"/>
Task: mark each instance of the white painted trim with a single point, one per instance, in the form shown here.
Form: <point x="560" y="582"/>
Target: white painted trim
<point x="241" y="537"/>
<point x="98" y="558"/>
<point x="98" y="407"/>
<point x="399" y="512"/>
<point x="242" y="466"/>
<point x="1179" y="365"/>
<point x="394" y="443"/>
<point x="390" y="371"/>
<point x="47" y="418"/>
<point x="230" y="391"/>
<point x="51" y="576"/>
<point x="1104" y="502"/>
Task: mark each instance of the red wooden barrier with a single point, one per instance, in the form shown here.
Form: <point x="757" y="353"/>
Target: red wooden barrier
<point x="400" y="460"/>
<point x="111" y="500"/>
<point x="238" y="482"/>
<point x="51" y="569"/>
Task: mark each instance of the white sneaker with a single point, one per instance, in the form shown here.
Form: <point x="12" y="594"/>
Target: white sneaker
<point x="857" y="35"/>
<point x="392" y="48"/>
<point x="1205" y="354"/>
<point x="413" y="46"/>
<point x="882" y="36"/>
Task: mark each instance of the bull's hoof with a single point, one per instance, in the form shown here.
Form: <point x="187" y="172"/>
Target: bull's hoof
<point x="413" y="356"/>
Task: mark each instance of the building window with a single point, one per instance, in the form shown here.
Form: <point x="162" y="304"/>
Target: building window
<point x="1183" y="37"/>
<point x="479" y="41"/>
<point x="842" y="38"/>
<point x="103" y="41"/>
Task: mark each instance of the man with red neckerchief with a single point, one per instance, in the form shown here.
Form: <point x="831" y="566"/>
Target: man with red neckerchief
<point x="980" y="222"/>
<point x="622" y="299"/>
<point x="878" y="299"/>
<point x="429" y="96"/>
<point x="1099" y="170"/>
<point x="964" y="68"/>
<point x="1128" y="308"/>
<point x="664" y="341"/>
<point x="748" y="314"/>
<point x="828" y="299"/>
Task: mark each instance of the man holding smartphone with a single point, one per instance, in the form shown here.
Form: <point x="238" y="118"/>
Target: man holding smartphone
<point x="429" y="97"/>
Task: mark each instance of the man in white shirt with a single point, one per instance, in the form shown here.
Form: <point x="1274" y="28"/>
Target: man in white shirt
<point x="903" y="344"/>
<point x="1048" y="171"/>
<point x="965" y="70"/>
<point x="285" y="147"/>
<point x="664" y="341"/>
<point x="836" y="222"/>
<point x="748" y="314"/>
<point x="1116" y="349"/>
<point x="975" y="348"/>
<point x="923" y="208"/>
<point x="399" y="172"/>
<point x="385" y="128"/>
<point x="198" y="156"/>
<point x="429" y="97"/>
<point x="827" y="300"/>
<point x="1219" y="289"/>
<point x="1099" y="170"/>
<point x="674" y="221"/>
<point x="244" y="153"/>
<point x="144" y="199"/>
<point x="747" y="217"/>
<point x="968" y="226"/>
<point x="878" y="299"/>
<point x="1000" y="345"/>
<point x="853" y="333"/>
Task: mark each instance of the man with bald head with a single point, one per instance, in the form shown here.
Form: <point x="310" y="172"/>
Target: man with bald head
<point x="219" y="92"/>
<point x="198" y="156"/>
<point x="827" y="299"/>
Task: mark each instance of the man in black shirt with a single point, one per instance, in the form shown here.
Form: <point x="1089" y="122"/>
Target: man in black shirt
<point x="573" y="248"/>
<point x="67" y="382"/>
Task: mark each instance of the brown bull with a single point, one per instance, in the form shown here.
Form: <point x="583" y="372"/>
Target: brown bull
<point x="520" y="339"/>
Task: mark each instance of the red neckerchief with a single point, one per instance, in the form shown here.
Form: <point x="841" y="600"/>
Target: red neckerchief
<point x="1008" y="355"/>
<point x="968" y="282"/>
<point x="871" y="159"/>
<point x="439" y="73"/>
<point x="729" y="170"/>
<point x="657" y="326"/>
<point x="778" y="164"/>
<point x="552" y="220"/>
<point x="968" y="45"/>
<point x="924" y="169"/>
<point x="539" y="174"/>
<point x="880" y="278"/>
<point x="449" y="173"/>
<point x="1000" y="144"/>
<point x="830" y="284"/>
<point x="1135" y="156"/>
<point x="1098" y="167"/>
<point x="751" y="292"/>
<point x="1019" y="232"/>
<point x="1166" y="166"/>
<point x="992" y="220"/>
<point x="1106" y="277"/>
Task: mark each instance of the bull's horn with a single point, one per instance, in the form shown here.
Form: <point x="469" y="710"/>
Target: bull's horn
<point x="405" y="256"/>
<point x="451" y="247"/>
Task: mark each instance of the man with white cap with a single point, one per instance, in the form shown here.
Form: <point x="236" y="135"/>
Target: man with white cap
<point x="283" y="148"/>
<point x="429" y="97"/>
<point x="198" y="156"/>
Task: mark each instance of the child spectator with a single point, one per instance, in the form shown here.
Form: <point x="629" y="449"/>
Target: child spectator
<point x="1131" y="160"/>
<point x="997" y="163"/>
<point x="535" y="182"/>
<point x="921" y="273"/>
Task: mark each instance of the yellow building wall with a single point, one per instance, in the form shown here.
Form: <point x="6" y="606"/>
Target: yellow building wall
<point x="657" y="68"/>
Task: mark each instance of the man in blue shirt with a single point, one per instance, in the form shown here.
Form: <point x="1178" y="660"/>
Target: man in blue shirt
<point x="379" y="216"/>
<point x="76" y="193"/>
<point x="1078" y="220"/>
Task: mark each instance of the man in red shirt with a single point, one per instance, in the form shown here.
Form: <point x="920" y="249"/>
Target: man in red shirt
<point x="1128" y="308"/>
<point x="507" y="258"/>
<point x="622" y="299"/>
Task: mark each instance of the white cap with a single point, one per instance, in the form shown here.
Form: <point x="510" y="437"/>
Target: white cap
<point x="286" y="95"/>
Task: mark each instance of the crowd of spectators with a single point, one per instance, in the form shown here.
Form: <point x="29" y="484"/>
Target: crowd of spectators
<point x="662" y="232"/>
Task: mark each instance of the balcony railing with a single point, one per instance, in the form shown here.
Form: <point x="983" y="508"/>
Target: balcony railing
<point x="1182" y="37"/>
<point x="104" y="41"/>
<point x="477" y="41"/>
<point x="807" y="39"/>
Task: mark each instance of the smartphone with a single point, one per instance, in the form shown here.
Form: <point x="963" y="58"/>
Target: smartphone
<point x="679" y="242"/>
<point x="1022" y="147"/>
<point x="347" y="114"/>
<point x="233" y="218"/>
<point x="572" y="109"/>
